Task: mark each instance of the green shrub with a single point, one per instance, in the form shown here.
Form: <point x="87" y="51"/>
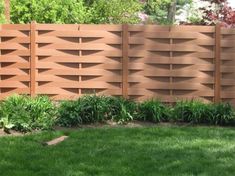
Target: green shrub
<point x="222" y="114"/>
<point x="195" y="111"/>
<point x="24" y="113"/>
<point x="69" y="113"/>
<point x="154" y="111"/>
<point x="86" y="109"/>
<point x="49" y="11"/>
<point x="115" y="11"/>
<point x="93" y="108"/>
<point x="75" y="11"/>
<point x="122" y="110"/>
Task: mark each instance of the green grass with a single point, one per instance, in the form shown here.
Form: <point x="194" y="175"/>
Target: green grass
<point x="122" y="151"/>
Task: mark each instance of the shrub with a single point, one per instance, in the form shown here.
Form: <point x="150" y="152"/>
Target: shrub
<point x="195" y="111"/>
<point x="87" y="109"/>
<point x="154" y="111"/>
<point x="75" y="11"/>
<point x="93" y="108"/>
<point x="222" y="114"/>
<point x="23" y="113"/>
<point x="115" y="11"/>
<point x="122" y="110"/>
<point x="49" y="11"/>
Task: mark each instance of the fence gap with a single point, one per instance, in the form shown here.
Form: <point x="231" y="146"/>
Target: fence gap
<point x="125" y="70"/>
<point x="217" y="63"/>
<point x="33" y="58"/>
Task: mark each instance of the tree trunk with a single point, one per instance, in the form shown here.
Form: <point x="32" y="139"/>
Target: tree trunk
<point x="172" y="12"/>
<point x="7" y="10"/>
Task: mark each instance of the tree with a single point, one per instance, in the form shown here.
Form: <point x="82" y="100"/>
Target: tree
<point x="172" y="12"/>
<point x="75" y="11"/>
<point x="115" y="11"/>
<point x="2" y="12"/>
<point x="218" y="11"/>
<point x="49" y="11"/>
<point x="164" y="11"/>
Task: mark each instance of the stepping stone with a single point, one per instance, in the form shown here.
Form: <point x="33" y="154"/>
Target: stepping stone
<point x="55" y="141"/>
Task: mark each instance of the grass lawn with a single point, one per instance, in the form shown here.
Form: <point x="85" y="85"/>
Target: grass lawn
<point x="122" y="151"/>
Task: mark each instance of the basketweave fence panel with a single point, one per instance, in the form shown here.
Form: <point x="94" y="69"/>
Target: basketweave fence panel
<point x="228" y="65"/>
<point x="171" y="62"/>
<point x="139" y="62"/>
<point x="14" y="59"/>
<point x="73" y="60"/>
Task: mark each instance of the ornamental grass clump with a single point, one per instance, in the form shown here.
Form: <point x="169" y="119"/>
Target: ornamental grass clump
<point x="154" y="111"/>
<point x="86" y="109"/>
<point x="24" y="113"/>
<point x="197" y="112"/>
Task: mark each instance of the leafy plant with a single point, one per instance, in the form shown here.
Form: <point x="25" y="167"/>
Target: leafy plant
<point x="75" y="11"/>
<point x="6" y="124"/>
<point x="115" y="11"/>
<point x="122" y="110"/>
<point x="193" y="111"/>
<point x="49" y="11"/>
<point x="24" y="113"/>
<point x="94" y="108"/>
<point x="154" y="111"/>
<point x="218" y="11"/>
<point x="160" y="11"/>
<point x="222" y="114"/>
<point x="86" y="109"/>
<point x="69" y="113"/>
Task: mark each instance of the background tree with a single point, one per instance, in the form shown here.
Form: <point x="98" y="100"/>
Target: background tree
<point x="49" y="11"/>
<point x="75" y="11"/>
<point x="2" y="12"/>
<point x="115" y="11"/>
<point x="218" y="11"/>
<point x="165" y="11"/>
<point x="172" y="12"/>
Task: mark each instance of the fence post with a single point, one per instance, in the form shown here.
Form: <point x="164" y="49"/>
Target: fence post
<point x="32" y="58"/>
<point x="217" y="63"/>
<point x="125" y="48"/>
<point x="7" y="10"/>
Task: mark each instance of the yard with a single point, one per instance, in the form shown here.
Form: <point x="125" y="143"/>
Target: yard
<point x="157" y="150"/>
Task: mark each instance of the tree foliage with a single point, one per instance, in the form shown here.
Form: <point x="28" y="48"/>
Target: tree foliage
<point x="115" y="11"/>
<point x="159" y="10"/>
<point x="218" y="11"/>
<point x="49" y="11"/>
<point x="2" y="10"/>
<point x="75" y="11"/>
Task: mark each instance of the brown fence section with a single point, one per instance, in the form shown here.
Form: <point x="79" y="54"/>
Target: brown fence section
<point x="14" y="60"/>
<point x="171" y="62"/>
<point x="228" y="65"/>
<point x="135" y="61"/>
<point x="72" y="60"/>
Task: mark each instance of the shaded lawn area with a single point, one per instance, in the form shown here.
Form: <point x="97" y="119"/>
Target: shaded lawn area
<point x="122" y="151"/>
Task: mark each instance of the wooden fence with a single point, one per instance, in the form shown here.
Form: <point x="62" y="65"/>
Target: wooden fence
<point x="134" y="61"/>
